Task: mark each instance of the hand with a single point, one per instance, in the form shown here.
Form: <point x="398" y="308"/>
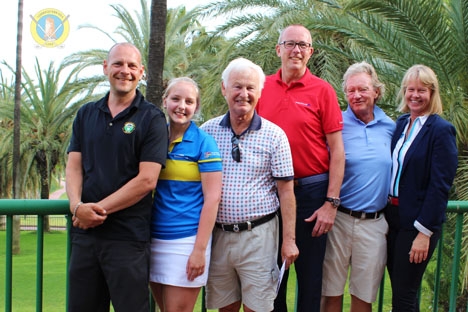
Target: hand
<point x="325" y="218"/>
<point x="289" y="252"/>
<point x="195" y="264"/>
<point x="419" y="249"/>
<point x="89" y="215"/>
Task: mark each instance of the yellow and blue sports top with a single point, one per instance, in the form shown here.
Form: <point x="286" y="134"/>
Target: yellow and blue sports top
<point x="178" y="197"/>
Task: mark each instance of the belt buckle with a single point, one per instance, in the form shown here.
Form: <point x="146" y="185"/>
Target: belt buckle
<point x="249" y="226"/>
<point x="235" y="228"/>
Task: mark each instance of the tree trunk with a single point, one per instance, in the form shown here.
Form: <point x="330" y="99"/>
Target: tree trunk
<point x="42" y="163"/>
<point x="157" y="46"/>
<point x="16" y="129"/>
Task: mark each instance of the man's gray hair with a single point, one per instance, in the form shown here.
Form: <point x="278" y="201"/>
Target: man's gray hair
<point x="364" y="67"/>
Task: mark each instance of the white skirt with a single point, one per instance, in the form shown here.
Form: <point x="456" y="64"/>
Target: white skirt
<point x="169" y="261"/>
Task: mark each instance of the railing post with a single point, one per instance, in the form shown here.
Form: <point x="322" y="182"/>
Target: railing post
<point x="456" y="263"/>
<point x="9" y="263"/>
<point x="39" y="262"/>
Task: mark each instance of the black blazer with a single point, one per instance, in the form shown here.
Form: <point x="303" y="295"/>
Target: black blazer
<point x="428" y="171"/>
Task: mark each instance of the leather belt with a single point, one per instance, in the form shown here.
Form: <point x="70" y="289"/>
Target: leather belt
<point x="393" y="200"/>
<point x="360" y="214"/>
<point x="249" y="225"/>
<point x="311" y="179"/>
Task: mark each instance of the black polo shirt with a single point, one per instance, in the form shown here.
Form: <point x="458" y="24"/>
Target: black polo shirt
<point x="112" y="149"/>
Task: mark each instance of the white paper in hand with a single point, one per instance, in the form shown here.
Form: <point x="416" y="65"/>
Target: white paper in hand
<point x="280" y="277"/>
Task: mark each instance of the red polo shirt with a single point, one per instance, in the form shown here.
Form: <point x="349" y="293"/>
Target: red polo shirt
<point x="306" y="110"/>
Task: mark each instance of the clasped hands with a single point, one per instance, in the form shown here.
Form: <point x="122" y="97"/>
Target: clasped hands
<point x="89" y="215"/>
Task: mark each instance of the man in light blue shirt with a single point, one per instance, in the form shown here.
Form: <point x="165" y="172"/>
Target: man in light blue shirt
<point x="357" y="241"/>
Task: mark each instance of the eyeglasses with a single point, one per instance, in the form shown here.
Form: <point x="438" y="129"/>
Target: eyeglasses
<point x="291" y="44"/>
<point x="235" y="152"/>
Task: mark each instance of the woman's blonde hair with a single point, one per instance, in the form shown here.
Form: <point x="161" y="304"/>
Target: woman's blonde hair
<point x="428" y="78"/>
<point x="175" y="81"/>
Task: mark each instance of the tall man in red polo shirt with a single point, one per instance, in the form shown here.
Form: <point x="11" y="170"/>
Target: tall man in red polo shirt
<point x="306" y="108"/>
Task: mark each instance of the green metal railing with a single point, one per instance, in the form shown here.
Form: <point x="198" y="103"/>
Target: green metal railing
<point x="41" y="208"/>
<point x="459" y="208"/>
<point x="11" y="208"/>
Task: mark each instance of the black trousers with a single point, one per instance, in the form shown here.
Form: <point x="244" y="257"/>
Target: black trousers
<point x="101" y="271"/>
<point x="405" y="277"/>
<point x="311" y="252"/>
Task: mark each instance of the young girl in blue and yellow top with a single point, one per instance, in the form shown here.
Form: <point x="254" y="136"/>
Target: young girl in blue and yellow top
<point x="185" y="203"/>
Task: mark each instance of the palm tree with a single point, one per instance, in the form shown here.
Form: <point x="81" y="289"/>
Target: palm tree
<point x="48" y="108"/>
<point x="189" y="51"/>
<point x="156" y="48"/>
<point x="6" y="99"/>
<point x="181" y="29"/>
<point x="133" y="30"/>
<point x="16" y="128"/>
<point x="252" y="29"/>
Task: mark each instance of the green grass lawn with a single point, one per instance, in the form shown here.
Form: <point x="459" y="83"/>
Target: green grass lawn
<point x="24" y="272"/>
<point x="54" y="284"/>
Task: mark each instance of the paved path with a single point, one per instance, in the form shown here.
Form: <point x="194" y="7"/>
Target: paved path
<point x="59" y="192"/>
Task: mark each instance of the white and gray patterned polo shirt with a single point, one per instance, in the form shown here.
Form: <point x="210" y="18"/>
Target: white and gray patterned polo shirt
<point x="249" y="187"/>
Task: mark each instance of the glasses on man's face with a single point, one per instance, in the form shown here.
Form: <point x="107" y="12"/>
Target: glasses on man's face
<point x="235" y="152"/>
<point x="290" y="44"/>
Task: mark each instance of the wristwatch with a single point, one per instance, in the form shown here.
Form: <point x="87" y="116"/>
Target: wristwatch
<point x="335" y="201"/>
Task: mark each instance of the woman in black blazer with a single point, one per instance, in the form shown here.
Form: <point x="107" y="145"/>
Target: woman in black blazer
<point x="424" y="154"/>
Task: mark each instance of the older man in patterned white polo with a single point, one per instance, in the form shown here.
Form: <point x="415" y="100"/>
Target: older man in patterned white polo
<point x="257" y="181"/>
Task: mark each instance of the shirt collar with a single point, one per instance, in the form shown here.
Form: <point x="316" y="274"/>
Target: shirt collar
<point x="421" y="120"/>
<point x="379" y="114"/>
<point x="303" y="81"/>
<point x="255" y="124"/>
<point x="135" y="103"/>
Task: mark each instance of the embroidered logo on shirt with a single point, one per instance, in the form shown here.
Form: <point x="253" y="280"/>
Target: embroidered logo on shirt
<point x="212" y="154"/>
<point x="128" y="127"/>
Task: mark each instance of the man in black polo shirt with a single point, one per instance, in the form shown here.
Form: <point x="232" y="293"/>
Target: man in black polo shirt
<point x="117" y="149"/>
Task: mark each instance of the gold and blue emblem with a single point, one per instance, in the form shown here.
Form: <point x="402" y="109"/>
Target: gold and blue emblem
<point x="50" y="28"/>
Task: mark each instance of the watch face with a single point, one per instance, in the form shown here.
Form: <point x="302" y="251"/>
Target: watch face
<point x="335" y="201"/>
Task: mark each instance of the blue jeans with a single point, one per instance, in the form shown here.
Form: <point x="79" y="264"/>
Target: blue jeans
<point x="308" y="265"/>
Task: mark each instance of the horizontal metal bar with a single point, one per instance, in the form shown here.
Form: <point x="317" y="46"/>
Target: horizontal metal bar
<point x="34" y="206"/>
<point x="61" y="206"/>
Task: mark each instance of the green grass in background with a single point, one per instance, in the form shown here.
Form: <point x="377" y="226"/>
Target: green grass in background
<point x="24" y="272"/>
